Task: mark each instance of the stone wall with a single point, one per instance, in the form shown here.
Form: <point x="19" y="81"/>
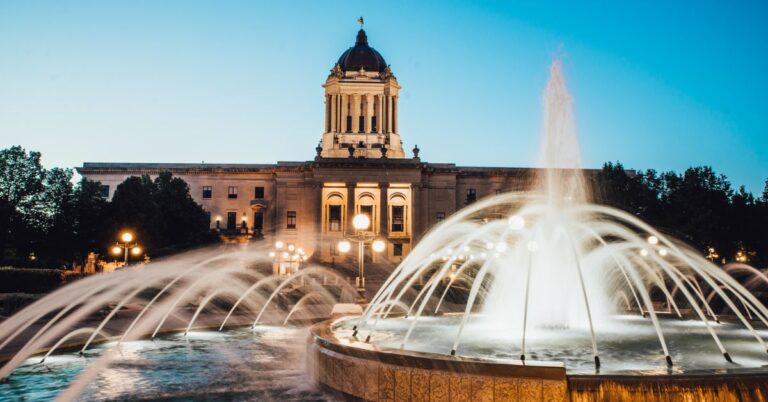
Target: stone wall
<point x="376" y="375"/>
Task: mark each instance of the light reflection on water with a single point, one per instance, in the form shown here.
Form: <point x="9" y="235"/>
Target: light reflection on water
<point x="264" y="364"/>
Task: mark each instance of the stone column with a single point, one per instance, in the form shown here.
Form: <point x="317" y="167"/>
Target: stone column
<point x="383" y="116"/>
<point x="328" y="116"/>
<point x="355" y="99"/>
<point x="414" y="215"/>
<point x="384" y="209"/>
<point x="379" y="114"/>
<point x="350" y="205"/>
<point x="394" y="114"/>
<point x="317" y="200"/>
<point x="368" y="113"/>
<point x="389" y="114"/>
<point x="334" y="112"/>
<point x="344" y="110"/>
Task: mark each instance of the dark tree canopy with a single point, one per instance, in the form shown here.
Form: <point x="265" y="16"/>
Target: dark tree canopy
<point x="43" y="214"/>
<point x="697" y="206"/>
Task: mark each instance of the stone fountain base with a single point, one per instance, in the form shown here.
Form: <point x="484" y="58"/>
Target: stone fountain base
<point x="363" y="371"/>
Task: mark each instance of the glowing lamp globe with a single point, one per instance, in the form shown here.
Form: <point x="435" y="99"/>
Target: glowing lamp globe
<point x="344" y="246"/>
<point x="115" y="250"/>
<point x="378" y="245"/>
<point x="361" y="222"/>
<point x="126" y="237"/>
<point x="136" y="251"/>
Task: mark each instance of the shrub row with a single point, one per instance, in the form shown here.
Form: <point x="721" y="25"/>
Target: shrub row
<point x="29" y="280"/>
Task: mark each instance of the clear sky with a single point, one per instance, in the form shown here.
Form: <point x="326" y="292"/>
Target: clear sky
<point x="663" y="85"/>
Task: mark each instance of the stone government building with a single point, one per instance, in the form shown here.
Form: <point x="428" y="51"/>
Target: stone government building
<point x="360" y="167"/>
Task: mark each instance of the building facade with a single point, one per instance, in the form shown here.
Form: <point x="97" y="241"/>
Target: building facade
<point x="360" y="167"/>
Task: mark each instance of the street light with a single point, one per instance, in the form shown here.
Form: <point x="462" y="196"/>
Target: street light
<point x="126" y="238"/>
<point x="361" y="223"/>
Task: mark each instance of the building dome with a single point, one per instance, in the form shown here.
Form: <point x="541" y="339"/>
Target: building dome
<point x="362" y="56"/>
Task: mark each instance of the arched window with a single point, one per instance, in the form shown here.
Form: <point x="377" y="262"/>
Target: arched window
<point x="367" y="205"/>
<point x="334" y="205"/>
<point x="397" y="205"/>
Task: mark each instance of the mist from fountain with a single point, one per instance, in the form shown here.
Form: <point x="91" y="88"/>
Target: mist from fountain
<point x="206" y="288"/>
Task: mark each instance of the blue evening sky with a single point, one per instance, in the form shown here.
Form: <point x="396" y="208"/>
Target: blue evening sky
<point x="663" y="85"/>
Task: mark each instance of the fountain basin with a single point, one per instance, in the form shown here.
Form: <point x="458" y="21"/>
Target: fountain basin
<point x="371" y="372"/>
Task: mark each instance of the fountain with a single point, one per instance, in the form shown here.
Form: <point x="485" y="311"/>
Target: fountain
<point x="547" y="294"/>
<point x="523" y="296"/>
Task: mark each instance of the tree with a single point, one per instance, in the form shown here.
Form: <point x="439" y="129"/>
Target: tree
<point x="21" y="184"/>
<point x="90" y="224"/>
<point x="57" y="204"/>
<point x="161" y="212"/>
<point x="698" y="204"/>
<point x="184" y="221"/>
<point x="133" y="208"/>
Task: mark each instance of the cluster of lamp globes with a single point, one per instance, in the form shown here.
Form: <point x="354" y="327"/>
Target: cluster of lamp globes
<point x="653" y="240"/>
<point x="362" y="222"/>
<point x="126" y="238"/>
<point x="516" y="224"/>
<point x="291" y="252"/>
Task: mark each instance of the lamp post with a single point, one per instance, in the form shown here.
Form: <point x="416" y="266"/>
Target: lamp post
<point x="362" y="236"/>
<point x="126" y="245"/>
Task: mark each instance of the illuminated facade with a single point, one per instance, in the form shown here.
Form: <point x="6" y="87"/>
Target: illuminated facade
<point x="360" y="167"/>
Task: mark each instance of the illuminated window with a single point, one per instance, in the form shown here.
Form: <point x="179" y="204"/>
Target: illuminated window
<point x="334" y="218"/>
<point x="398" y="218"/>
<point x="232" y="192"/>
<point x="207" y="192"/>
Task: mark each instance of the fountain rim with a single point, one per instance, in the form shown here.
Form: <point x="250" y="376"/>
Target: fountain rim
<point x="322" y="334"/>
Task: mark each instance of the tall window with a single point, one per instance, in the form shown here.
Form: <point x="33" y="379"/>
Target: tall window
<point x="374" y="127"/>
<point x="258" y="193"/>
<point x="440" y="216"/>
<point x="361" y="124"/>
<point x="368" y="211"/>
<point x="232" y="192"/>
<point x="258" y="221"/>
<point x="334" y="218"/>
<point x="291" y="220"/>
<point x="397" y="249"/>
<point x="104" y="191"/>
<point x="398" y="218"/>
<point x="231" y="220"/>
<point x="207" y="192"/>
<point x="471" y="195"/>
